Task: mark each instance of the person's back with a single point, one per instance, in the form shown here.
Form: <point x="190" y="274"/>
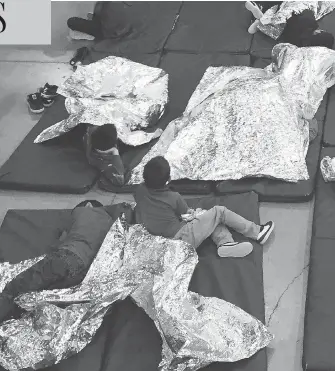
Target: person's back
<point x="158" y="208"/>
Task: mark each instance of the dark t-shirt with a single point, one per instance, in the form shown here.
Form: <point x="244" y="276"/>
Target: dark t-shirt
<point x="160" y="210"/>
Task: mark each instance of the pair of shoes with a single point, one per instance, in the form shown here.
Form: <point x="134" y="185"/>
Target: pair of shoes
<point x="242" y="249"/>
<point x="45" y="97"/>
<point x="48" y="91"/>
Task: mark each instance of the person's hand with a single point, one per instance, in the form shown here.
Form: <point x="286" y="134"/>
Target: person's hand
<point x="187" y="217"/>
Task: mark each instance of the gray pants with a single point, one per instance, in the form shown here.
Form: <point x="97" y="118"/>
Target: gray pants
<point x="213" y="223"/>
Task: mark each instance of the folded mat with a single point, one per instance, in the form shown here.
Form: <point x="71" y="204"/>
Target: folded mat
<point x="58" y="165"/>
<point x="208" y="26"/>
<point x="185" y="71"/>
<point x="151" y="23"/>
<point x="127" y="339"/>
<point x="329" y="129"/>
<point x="319" y="339"/>
<point x="262" y="44"/>
<point x="272" y="190"/>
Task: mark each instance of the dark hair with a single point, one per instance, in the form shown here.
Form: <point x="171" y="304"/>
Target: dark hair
<point x="156" y="172"/>
<point x="323" y="38"/>
<point x="104" y="137"/>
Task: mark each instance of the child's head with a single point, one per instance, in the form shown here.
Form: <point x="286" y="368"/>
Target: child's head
<point x="156" y="173"/>
<point x="104" y="137"/>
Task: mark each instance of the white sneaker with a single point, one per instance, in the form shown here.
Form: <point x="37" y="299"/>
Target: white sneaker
<point x="254" y="27"/>
<point x="254" y="9"/>
<point x="235" y="249"/>
<point x="265" y="232"/>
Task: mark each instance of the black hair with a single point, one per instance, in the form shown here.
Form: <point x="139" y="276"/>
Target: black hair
<point x="156" y="173"/>
<point x="104" y="137"/>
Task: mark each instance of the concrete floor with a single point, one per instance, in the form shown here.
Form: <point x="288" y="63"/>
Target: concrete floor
<point x="286" y="257"/>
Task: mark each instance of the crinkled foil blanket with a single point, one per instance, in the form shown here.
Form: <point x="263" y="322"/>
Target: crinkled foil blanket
<point x="327" y="166"/>
<point x="155" y="272"/>
<point x="115" y="91"/>
<point x="248" y="122"/>
<point x="274" y="20"/>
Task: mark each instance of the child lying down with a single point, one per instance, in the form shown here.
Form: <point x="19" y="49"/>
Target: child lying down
<point x="70" y="259"/>
<point x="162" y="212"/>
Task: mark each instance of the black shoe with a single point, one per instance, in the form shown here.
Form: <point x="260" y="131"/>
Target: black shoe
<point x="35" y="103"/>
<point x="265" y="232"/>
<point x="49" y="91"/>
<point x="79" y="56"/>
<point x="47" y="102"/>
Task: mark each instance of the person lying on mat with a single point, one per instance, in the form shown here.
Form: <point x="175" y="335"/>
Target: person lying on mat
<point x="301" y="30"/>
<point x="165" y="213"/>
<point x="101" y="150"/>
<point x="70" y="258"/>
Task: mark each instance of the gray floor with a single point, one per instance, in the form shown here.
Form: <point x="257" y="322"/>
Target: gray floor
<point x="286" y="256"/>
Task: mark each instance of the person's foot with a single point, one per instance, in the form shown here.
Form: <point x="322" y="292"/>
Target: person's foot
<point x="254" y="9"/>
<point x="265" y="232"/>
<point x="35" y="103"/>
<point x="254" y="27"/>
<point x="49" y="91"/>
<point x="235" y="249"/>
<point x="79" y="56"/>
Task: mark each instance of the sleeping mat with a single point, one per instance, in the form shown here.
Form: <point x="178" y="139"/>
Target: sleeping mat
<point x="58" y="165"/>
<point x="272" y="190"/>
<point x="211" y="26"/>
<point x="150" y="24"/>
<point x="320" y="300"/>
<point x="196" y="27"/>
<point x="329" y="130"/>
<point x="127" y="339"/>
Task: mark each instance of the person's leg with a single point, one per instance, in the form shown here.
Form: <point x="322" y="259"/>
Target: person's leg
<point x="221" y="235"/>
<point x="210" y="224"/>
<point x="46" y="274"/>
<point x="92" y="27"/>
<point x="205" y="224"/>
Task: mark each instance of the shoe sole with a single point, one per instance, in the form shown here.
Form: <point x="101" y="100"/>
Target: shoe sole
<point x="268" y="234"/>
<point x="48" y="105"/>
<point x="49" y="96"/>
<point x="236" y="251"/>
<point x="257" y="13"/>
<point x="35" y="111"/>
